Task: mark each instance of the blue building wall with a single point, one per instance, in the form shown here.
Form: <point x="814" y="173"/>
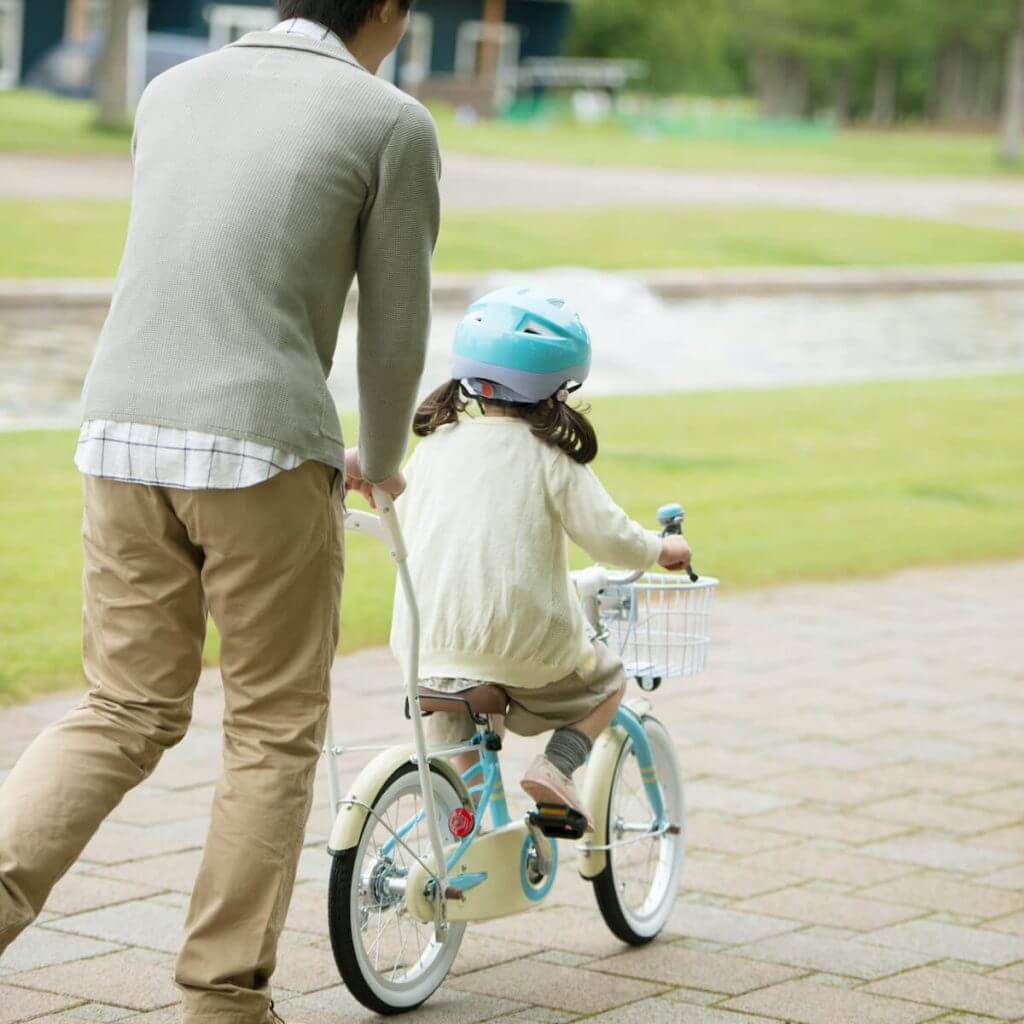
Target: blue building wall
<point x="43" y="28"/>
<point x="544" y="24"/>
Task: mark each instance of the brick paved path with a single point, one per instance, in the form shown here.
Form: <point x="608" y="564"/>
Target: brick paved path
<point x="856" y="840"/>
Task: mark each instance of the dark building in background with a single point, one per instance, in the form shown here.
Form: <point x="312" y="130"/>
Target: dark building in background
<point x="462" y="50"/>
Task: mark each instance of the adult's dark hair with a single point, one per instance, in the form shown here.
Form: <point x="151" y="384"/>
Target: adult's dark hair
<point x="553" y="422"/>
<point x="343" y="17"/>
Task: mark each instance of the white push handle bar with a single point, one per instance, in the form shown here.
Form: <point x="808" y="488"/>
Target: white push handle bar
<point x="385" y="526"/>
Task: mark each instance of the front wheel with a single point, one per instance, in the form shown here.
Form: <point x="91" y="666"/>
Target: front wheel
<point x="390" y="961"/>
<point x="638" y="886"/>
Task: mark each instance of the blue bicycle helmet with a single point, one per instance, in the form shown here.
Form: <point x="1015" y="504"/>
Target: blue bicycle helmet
<point x="521" y="345"/>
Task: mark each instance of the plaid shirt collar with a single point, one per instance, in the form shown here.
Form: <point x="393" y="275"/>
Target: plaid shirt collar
<point x="309" y="29"/>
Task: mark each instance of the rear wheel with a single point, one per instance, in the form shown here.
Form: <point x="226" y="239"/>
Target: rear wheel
<point x="390" y="961"/>
<point x="638" y="887"/>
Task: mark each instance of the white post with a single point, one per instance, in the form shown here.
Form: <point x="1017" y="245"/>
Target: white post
<point x="1013" y="103"/>
<point x="122" y="71"/>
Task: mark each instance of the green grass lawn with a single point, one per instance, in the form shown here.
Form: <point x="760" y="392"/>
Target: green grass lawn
<point x="39" y="122"/>
<point x="53" y="238"/>
<point x="808" y="483"/>
<point x="42" y="123"/>
<point x="855" y="151"/>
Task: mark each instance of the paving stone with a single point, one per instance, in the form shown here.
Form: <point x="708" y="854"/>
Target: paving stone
<point x="573" y="929"/>
<point x="176" y="871"/>
<point x="942" y="853"/>
<point x="150" y="805"/>
<point x="18" y="1004"/>
<point x="1011" y="878"/>
<point x="705" y="795"/>
<point x="964" y="1018"/>
<point x="933" y="813"/>
<point x="946" y="940"/>
<point x="1013" y="973"/>
<point x="308" y="909"/>
<point x="560" y="988"/>
<point x="819" y="950"/>
<point x="302" y="966"/>
<point x="667" y="1011"/>
<point x="168" y="1015"/>
<point x="956" y="990"/>
<point x="674" y="964"/>
<point x="114" y="843"/>
<point x="706" y="832"/>
<point x="102" y="1012"/>
<point x="813" y="860"/>
<point x="804" y="904"/>
<point x="695" y="996"/>
<point x="996" y="799"/>
<point x="1013" y="924"/>
<point x="138" y="923"/>
<point x="719" y="925"/>
<point x="819" y="785"/>
<point x="120" y="978"/>
<point x="540" y="1015"/>
<point x="847" y="828"/>
<point x="479" y="950"/>
<point x="728" y="879"/>
<point x="42" y="947"/>
<point x="562" y="957"/>
<point x="938" y="891"/>
<point x="805" y="1003"/>
<point x="448" y="1006"/>
<point x="77" y="892"/>
<point x="1011" y="838"/>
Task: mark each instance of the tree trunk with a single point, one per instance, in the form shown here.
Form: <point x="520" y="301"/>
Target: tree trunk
<point x="1013" y="99"/>
<point x="76" y="23"/>
<point x="119" y="81"/>
<point x="782" y="84"/>
<point x="883" y="111"/>
<point x="843" y="98"/>
<point x="493" y="18"/>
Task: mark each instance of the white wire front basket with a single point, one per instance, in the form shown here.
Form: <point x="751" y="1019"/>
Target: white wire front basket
<point x="660" y="625"/>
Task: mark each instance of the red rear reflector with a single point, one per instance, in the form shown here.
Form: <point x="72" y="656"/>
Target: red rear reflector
<point x="461" y="822"/>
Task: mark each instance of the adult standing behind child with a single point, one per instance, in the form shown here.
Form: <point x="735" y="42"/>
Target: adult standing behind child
<point x="267" y="175"/>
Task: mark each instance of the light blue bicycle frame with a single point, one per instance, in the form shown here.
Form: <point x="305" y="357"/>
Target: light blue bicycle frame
<point x="489" y="789"/>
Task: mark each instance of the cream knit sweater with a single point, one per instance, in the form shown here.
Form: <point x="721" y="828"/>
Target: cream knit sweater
<point x="488" y="515"/>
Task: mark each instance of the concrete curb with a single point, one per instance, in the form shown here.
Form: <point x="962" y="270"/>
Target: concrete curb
<point x="456" y="289"/>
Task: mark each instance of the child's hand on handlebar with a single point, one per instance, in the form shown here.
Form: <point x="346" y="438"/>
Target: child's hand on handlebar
<point x="675" y="554"/>
<point x="354" y="480"/>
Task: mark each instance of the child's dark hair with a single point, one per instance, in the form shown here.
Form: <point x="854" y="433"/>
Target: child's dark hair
<point x="553" y="422"/>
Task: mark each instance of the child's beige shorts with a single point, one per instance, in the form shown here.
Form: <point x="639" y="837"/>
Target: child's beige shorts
<point x="539" y="709"/>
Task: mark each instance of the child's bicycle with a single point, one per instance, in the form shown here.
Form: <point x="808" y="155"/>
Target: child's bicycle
<point x="412" y="863"/>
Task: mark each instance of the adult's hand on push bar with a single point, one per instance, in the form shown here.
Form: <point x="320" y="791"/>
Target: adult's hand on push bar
<point x="355" y="481"/>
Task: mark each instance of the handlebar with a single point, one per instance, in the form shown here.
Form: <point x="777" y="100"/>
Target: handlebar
<point x="592" y="581"/>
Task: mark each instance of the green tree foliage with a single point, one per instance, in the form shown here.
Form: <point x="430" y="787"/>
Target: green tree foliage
<point x="877" y="59"/>
<point x="682" y="41"/>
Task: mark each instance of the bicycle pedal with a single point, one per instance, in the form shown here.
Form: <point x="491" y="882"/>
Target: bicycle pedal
<point x="558" y="821"/>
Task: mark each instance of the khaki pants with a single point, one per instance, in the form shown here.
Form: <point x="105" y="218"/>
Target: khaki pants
<point x="266" y="561"/>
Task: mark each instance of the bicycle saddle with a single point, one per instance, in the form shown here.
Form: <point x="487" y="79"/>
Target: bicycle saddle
<point x="486" y="699"/>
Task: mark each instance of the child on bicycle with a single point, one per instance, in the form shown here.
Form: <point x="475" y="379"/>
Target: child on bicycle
<point x="493" y="500"/>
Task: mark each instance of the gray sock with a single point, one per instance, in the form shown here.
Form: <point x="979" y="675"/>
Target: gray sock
<point x="567" y="749"/>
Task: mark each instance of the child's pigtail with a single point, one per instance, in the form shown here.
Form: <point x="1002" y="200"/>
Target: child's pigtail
<point x="440" y="407"/>
<point x="557" y="423"/>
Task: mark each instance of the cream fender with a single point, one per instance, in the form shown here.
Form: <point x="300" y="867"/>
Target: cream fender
<point x="596" y="789"/>
<point x="352" y="813"/>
